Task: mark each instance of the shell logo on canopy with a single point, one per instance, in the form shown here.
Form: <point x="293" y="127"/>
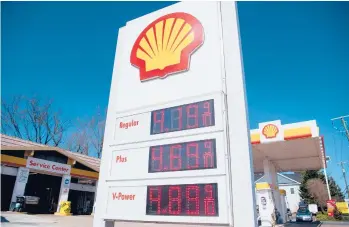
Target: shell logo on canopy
<point x="165" y="46"/>
<point x="270" y="131"/>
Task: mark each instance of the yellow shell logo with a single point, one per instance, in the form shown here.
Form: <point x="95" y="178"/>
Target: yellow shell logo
<point x="165" y="46"/>
<point x="270" y="131"/>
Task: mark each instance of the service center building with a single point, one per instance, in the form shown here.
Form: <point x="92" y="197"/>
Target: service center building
<point x="50" y="173"/>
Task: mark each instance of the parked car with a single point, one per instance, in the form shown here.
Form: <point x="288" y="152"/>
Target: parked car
<point x="303" y="214"/>
<point x="26" y="203"/>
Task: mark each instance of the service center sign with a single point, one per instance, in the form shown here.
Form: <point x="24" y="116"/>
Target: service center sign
<point x="48" y="166"/>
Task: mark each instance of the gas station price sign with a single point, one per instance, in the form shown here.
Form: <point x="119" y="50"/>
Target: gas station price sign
<point x="184" y="117"/>
<point x="183" y="200"/>
<point x="179" y="121"/>
<point x="193" y="155"/>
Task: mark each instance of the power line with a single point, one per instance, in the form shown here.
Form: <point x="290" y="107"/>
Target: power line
<point x="345" y="129"/>
<point x="342" y="129"/>
<point x="335" y="147"/>
<point x="344" y="176"/>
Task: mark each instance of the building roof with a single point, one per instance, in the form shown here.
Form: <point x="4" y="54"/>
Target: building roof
<point x="258" y="176"/>
<point x="283" y="178"/>
<point x="294" y="176"/>
<point x="13" y="143"/>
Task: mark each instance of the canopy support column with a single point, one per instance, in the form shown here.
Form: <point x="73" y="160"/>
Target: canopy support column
<point x="270" y="174"/>
<point x="20" y="184"/>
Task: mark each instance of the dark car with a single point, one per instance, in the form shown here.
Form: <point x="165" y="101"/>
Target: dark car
<point x="303" y="214"/>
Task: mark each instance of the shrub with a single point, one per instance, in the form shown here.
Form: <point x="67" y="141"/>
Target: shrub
<point x="337" y="214"/>
<point x="345" y="218"/>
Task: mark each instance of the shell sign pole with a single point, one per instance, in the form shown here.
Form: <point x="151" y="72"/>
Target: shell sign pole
<point x="176" y="145"/>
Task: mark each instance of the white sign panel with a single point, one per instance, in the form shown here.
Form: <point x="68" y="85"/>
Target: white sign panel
<point x="82" y="187"/>
<point x="147" y="124"/>
<point x="146" y="163"/>
<point x="48" y="166"/>
<point x="271" y="131"/>
<point x="176" y="145"/>
<point x="7" y="170"/>
<point x="129" y="195"/>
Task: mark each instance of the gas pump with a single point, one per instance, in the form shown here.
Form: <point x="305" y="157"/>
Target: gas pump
<point x="283" y="211"/>
<point x="266" y="204"/>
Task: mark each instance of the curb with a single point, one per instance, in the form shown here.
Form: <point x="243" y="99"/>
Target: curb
<point x="60" y="214"/>
<point x="15" y="212"/>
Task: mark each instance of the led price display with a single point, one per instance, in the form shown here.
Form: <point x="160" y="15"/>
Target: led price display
<point x="183" y="200"/>
<point x="184" y="117"/>
<point x="183" y="156"/>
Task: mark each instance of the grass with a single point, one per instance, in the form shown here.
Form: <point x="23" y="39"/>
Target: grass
<point x="324" y="217"/>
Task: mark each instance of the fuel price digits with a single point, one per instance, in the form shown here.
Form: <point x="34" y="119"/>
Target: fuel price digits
<point x="183" y="200"/>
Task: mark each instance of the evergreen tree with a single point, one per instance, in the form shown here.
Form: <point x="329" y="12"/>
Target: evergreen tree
<point x="304" y="194"/>
<point x="335" y="190"/>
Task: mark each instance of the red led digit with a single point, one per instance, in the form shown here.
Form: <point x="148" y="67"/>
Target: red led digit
<point x="183" y="200"/>
<point x="208" y="155"/>
<point x="158" y="119"/>
<point x="176" y="118"/>
<point x="207" y="115"/>
<point x="192" y="113"/>
<point x="193" y="155"/>
<point x="155" y="197"/>
<point x="175" y="157"/>
<point x="192" y="195"/>
<point x="209" y="201"/>
<point x="175" y="197"/>
<point x="208" y="191"/>
<point x="157" y="158"/>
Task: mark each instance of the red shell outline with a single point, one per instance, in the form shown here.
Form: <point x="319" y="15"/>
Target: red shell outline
<point x="270" y="137"/>
<point x="185" y="55"/>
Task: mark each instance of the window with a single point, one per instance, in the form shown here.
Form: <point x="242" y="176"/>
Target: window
<point x="292" y="190"/>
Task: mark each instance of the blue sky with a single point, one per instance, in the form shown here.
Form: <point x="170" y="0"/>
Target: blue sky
<point x="296" y="58"/>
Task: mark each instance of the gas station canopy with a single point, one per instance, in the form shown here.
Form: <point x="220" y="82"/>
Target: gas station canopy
<point x="290" y="147"/>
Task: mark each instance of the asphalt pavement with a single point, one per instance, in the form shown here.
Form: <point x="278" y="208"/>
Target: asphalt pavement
<point x="317" y="224"/>
<point x="334" y="224"/>
<point x="11" y="219"/>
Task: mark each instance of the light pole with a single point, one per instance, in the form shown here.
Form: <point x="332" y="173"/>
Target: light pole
<point x="326" y="179"/>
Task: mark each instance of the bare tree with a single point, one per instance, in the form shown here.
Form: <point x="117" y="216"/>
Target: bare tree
<point x="317" y="190"/>
<point x="32" y="119"/>
<point x="89" y="135"/>
<point x="78" y="141"/>
<point x="96" y="129"/>
<point x="11" y="117"/>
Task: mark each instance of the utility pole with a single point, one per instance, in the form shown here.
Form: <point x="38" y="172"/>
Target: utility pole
<point x="345" y="127"/>
<point x="344" y="123"/>
<point x="344" y="176"/>
<point x="327" y="185"/>
<point x="346" y="132"/>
